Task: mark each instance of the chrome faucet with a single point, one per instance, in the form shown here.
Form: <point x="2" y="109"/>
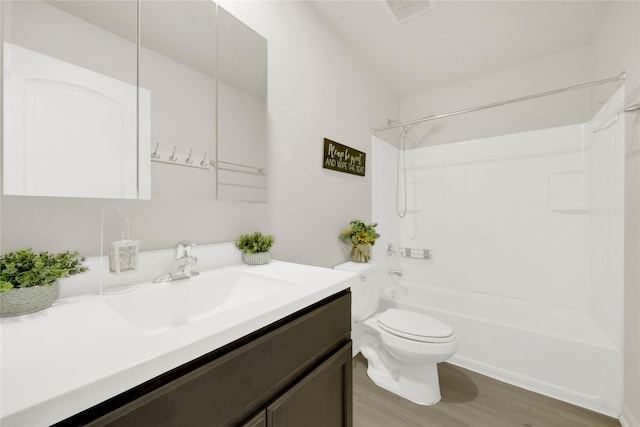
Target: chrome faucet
<point x="181" y="265"/>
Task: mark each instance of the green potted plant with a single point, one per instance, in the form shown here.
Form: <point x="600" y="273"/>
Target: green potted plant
<point x="362" y="237"/>
<point x="29" y="280"/>
<point x="255" y="248"/>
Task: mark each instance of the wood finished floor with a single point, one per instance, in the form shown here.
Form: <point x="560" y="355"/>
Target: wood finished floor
<point x="468" y="400"/>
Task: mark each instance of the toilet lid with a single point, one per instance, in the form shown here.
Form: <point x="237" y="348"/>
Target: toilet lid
<point x="415" y="326"/>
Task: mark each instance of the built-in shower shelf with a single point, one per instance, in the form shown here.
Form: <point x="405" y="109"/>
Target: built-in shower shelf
<point x="415" y="253"/>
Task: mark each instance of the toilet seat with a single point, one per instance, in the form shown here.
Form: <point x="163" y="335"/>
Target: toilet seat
<point x="415" y="326"/>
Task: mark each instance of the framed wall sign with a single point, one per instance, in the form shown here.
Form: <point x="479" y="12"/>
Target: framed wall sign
<point x="345" y="159"/>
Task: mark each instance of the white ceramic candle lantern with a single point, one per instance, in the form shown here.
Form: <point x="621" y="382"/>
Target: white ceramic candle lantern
<point x="123" y="256"/>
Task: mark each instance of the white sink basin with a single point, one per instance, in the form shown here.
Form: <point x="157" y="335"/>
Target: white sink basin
<point x="158" y="307"/>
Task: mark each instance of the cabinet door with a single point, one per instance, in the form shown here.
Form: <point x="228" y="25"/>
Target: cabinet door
<point x="322" y="398"/>
<point x="259" y="420"/>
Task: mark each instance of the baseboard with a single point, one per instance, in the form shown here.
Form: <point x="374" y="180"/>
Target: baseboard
<point x="627" y="419"/>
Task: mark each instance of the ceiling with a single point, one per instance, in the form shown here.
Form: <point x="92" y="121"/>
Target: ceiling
<point x="457" y="40"/>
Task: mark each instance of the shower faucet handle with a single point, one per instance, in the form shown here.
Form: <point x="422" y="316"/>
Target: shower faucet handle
<point x="391" y="251"/>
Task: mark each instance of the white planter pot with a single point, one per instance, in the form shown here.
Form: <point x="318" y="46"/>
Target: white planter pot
<point x="257" y="258"/>
<point x="27" y="300"/>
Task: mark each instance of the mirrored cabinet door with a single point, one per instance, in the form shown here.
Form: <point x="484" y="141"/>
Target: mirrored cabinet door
<point x="242" y="111"/>
<point x="178" y="81"/>
<point x="70" y="100"/>
<point x="161" y="99"/>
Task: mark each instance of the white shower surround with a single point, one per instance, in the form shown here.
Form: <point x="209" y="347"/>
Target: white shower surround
<point x="533" y="218"/>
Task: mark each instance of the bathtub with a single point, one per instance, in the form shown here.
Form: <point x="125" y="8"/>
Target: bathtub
<point x="557" y="351"/>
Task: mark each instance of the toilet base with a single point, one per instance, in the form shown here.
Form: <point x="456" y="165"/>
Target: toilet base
<point x="419" y="384"/>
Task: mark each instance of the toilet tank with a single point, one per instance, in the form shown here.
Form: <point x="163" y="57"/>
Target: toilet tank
<point x="365" y="292"/>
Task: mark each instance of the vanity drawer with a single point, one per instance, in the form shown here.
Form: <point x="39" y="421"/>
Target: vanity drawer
<point x="252" y="372"/>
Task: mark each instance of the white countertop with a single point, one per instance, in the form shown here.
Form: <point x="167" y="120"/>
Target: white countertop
<point x="78" y="353"/>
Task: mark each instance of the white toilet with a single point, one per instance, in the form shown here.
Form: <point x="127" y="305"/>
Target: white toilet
<point x="402" y="347"/>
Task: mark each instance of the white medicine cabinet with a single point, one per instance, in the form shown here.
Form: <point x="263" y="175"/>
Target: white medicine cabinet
<point x="133" y="100"/>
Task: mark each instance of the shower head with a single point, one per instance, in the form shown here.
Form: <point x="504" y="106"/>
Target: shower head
<point x="404" y="130"/>
<point x="632" y="108"/>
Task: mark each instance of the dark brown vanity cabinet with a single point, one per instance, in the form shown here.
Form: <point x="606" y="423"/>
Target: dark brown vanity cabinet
<point x="295" y="372"/>
<point x="322" y="398"/>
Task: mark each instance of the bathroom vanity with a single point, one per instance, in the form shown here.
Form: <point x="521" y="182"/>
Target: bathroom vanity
<point x="296" y="371"/>
<point x="283" y="358"/>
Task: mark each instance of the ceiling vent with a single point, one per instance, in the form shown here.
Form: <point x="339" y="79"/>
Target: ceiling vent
<point x="402" y="10"/>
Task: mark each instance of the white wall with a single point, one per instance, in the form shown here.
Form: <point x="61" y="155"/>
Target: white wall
<point x="616" y="46"/>
<point x="317" y="89"/>
<point x="545" y="74"/>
